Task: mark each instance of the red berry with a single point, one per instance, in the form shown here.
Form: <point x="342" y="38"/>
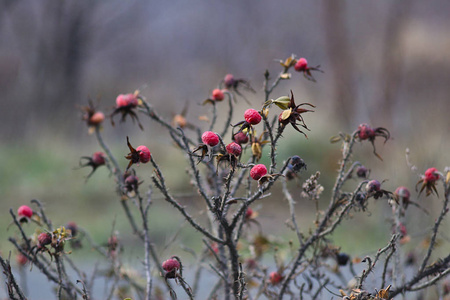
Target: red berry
<point x="217" y="95"/>
<point x="144" y="154"/>
<point x="170" y="265"/>
<point x="234" y="149"/>
<point x="229" y="80"/>
<point x="403" y="193"/>
<point x="301" y="65"/>
<point x="258" y="171"/>
<point x="431" y="175"/>
<point x="25" y="211"/>
<point x="126" y="100"/>
<point x="44" y="239"/>
<point x="373" y="186"/>
<point x="240" y="138"/>
<point x="248" y="213"/>
<point x="210" y="138"/>
<point x="97" y="118"/>
<point x="98" y="158"/>
<point x="365" y="132"/>
<point x="275" y="278"/>
<point x="21" y="259"/>
<point x="252" y="116"/>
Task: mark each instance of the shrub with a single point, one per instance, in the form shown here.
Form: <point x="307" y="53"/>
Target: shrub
<point x="311" y="270"/>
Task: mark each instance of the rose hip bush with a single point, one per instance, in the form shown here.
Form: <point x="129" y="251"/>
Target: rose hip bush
<point x="231" y="186"/>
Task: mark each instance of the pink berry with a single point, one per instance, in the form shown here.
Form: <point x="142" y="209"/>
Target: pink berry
<point x="275" y="278"/>
<point x="44" y="239"/>
<point x="248" y="213"/>
<point x="252" y="116"/>
<point x="240" y="138"/>
<point x="121" y="101"/>
<point x="403" y="193"/>
<point x="97" y="118"/>
<point x="98" y="158"/>
<point x="229" y="80"/>
<point x="131" y="99"/>
<point x="431" y="175"/>
<point x="217" y="95"/>
<point x="126" y="100"/>
<point x="258" y="171"/>
<point x="301" y="65"/>
<point x="25" y="211"/>
<point x="21" y="259"/>
<point x="234" y="149"/>
<point x="210" y="138"/>
<point x="365" y="132"/>
<point x="170" y="265"/>
<point x="373" y="186"/>
<point x="144" y="154"/>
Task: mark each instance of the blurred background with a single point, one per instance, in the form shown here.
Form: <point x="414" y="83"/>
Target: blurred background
<point x="386" y="63"/>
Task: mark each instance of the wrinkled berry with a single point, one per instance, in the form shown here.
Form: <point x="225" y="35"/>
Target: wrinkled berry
<point x="144" y="154"/>
<point x="217" y="95"/>
<point x="252" y="116"/>
<point x="24" y="211"/>
<point x="373" y="186"/>
<point x="44" y="239"/>
<point x="301" y="65"/>
<point x="234" y="149"/>
<point x="240" y="138"/>
<point x="258" y="171"/>
<point x="210" y="138"/>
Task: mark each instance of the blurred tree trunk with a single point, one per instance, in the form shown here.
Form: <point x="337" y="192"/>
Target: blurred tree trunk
<point x="391" y="60"/>
<point x="340" y="57"/>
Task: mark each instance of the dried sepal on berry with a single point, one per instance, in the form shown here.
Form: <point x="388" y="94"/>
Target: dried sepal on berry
<point x="97" y="159"/>
<point x="293" y="115"/>
<point x="209" y="140"/>
<point x="373" y="189"/>
<point x="366" y="132"/>
<point x="126" y="105"/>
<point x="429" y="181"/>
<point x="234" y="84"/>
<point x="131" y="182"/>
<point x="139" y="155"/>
<point x="251" y="117"/>
<point x="301" y="65"/>
<point x="92" y="117"/>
